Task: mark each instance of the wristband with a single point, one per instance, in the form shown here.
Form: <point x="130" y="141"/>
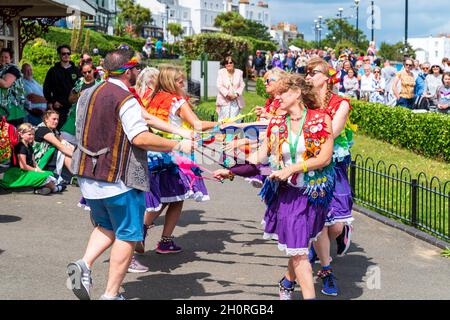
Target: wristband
<point x="231" y="176"/>
<point x="305" y="167"/>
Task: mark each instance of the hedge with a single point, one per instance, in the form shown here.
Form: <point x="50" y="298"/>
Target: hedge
<point x="217" y="46"/>
<point x="423" y="133"/>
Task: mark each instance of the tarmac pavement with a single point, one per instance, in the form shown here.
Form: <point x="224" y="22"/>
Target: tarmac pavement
<point x="224" y="256"/>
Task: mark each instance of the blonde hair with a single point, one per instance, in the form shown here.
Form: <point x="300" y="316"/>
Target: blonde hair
<point x="146" y="79"/>
<point x="278" y="72"/>
<point x="296" y="81"/>
<point x="167" y="79"/>
<point x="325" y="68"/>
<point x="24" y="128"/>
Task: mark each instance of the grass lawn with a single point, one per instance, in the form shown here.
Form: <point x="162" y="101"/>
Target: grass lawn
<point x="380" y="150"/>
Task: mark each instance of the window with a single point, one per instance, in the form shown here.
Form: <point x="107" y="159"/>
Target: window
<point x="437" y="54"/>
<point x="172" y="13"/>
<point x="185" y="15"/>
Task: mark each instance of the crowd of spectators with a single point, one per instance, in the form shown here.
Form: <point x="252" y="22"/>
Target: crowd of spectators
<point x="364" y="75"/>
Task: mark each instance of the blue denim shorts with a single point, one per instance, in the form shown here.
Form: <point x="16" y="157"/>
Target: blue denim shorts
<point x="123" y="214"/>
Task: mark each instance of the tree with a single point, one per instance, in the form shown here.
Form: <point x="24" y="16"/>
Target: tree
<point x="133" y="17"/>
<point x="175" y="29"/>
<point x="303" y="44"/>
<point x="234" y="24"/>
<point x="339" y="30"/>
<point x="255" y="30"/>
<point x="230" y="22"/>
<point x="395" y="52"/>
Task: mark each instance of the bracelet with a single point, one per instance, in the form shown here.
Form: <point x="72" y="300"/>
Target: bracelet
<point x="305" y="167"/>
<point x="231" y="176"/>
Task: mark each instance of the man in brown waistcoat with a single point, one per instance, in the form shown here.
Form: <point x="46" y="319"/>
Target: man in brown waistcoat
<point x="111" y="164"/>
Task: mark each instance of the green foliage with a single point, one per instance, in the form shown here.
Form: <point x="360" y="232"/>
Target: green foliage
<point x="217" y="46"/>
<point x="261" y="88"/>
<point x="446" y="253"/>
<point x="395" y="52"/>
<point x="103" y="42"/>
<point x="257" y="44"/>
<point x="303" y="44"/>
<point x="133" y="16"/>
<point x="175" y="29"/>
<point x="234" y="24"/>
<point x="339" y="30"/>
<point x="424" y="133"/>
<point x="230" y="22"/>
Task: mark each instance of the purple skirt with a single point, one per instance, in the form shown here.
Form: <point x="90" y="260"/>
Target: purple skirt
<point x="342" y="202"/>
<point x="167" y="186"/>
<point x="293" y="221"/>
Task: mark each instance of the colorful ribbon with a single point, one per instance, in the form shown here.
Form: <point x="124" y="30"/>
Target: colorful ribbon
<point x="129" y="65"/>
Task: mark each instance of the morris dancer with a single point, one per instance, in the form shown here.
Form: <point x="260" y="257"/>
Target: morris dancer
<point x="299" y="147"/>
<point x="111" y="163"/>
<point x="339" y="218"/>
<point x="169" y="185"/>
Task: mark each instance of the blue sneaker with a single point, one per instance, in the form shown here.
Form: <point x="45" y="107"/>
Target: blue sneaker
<point x="329" y="286"/>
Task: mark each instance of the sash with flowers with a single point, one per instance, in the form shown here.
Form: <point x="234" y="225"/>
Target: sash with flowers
<point x="319" y="184"/>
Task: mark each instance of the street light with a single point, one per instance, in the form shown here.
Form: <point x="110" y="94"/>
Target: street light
<point x="316" y="30"/>
<point x="406" y="25"/>
<point x="320" y="29"/>
<point x="167" y="23"/>
<point x="357" y="21"/>
<point x="340" y="22"/>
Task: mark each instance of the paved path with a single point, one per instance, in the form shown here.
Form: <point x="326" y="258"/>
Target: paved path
<point x="224" y="255"/>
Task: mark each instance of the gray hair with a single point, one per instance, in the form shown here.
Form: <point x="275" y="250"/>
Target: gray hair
<point x="117" y="58"/>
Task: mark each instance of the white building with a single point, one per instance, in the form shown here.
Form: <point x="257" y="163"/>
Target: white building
<point x="252" y="10"/>
<point x="431" y="49"/>
<point x="198" y="16"/>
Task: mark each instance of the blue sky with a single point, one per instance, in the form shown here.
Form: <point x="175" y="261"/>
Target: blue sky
<point x="425" y="16"/>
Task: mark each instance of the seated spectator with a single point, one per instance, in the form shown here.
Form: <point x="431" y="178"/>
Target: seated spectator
<point x="367" y="83"/>
<point x="50" y="150"/>
<point x="276" y="63"/>
<point x="12" y="94"/>
<point x="379" y="85"/>
<point x="147" y="49"/>
<point x="443" y="95"/>
<point x="24" y="171"/>
<point x="34" y="93"/>
<point x="351" y="84"/>
<point x="433" y="82"/>
<point x="346" y="66"/>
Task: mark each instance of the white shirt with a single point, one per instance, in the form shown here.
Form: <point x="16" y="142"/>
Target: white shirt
<point x="367" y="83"/>
<point x="175" y="119"/>
<point x="298" y="156"/>
<point x="133" y="124"/>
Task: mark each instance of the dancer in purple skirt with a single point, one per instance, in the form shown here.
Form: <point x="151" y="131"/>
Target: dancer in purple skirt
<point x="299" y="149"/>
<point x="170" y="186"/>
<point x="339" y="217"/>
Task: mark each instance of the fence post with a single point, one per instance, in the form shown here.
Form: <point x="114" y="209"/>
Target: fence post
<point x="448" y="216"/>
<point x="414" y="202"/>
<point x="353" y="176"/>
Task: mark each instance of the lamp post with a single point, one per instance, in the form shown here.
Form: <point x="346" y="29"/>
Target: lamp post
<point x="320" y="29"/>
<point x="406" y="25"/>
<point x="373" y="21"/>
<point x="167" y="23"/>
<point x="316" y="30"/>
<point x="357" y="21"/>
<point x="340" y="23"/>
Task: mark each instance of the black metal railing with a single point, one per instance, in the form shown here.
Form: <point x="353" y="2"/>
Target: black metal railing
<point x="420" y="202"/>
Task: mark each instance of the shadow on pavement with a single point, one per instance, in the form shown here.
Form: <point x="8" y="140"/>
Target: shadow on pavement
<point x="350" y="272"/>
<point x="170" y="286"/>
<point x="9" y="219"/>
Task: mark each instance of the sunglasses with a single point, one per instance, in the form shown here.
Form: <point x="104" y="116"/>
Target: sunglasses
<point x="312" y="73"/>
<point x="229" y="62"/>
<point x="408" y="65"/>
<point x="65" y="53"/>
<point x="376" y="72"/>
<point x="86" y="72"/>
<point x="268" y="81"/>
